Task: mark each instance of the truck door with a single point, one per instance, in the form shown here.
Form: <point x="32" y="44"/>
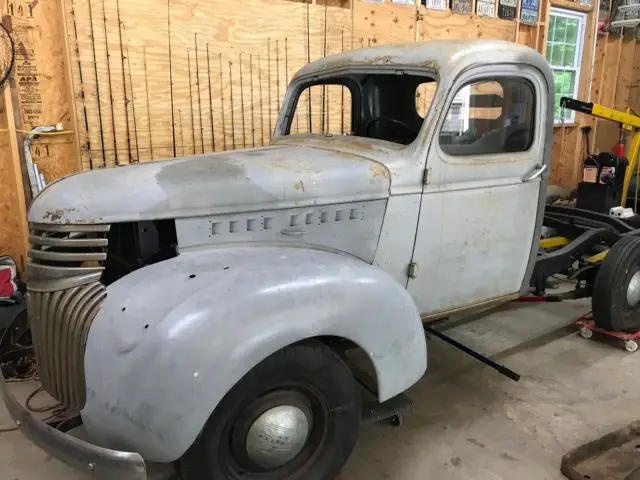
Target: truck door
<point x="479" y="207"/>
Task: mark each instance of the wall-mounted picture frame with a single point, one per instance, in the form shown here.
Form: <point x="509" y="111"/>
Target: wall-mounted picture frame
<point x="486" y="8"/>
<point x="462" y="6"/>
<point x="507" y="9"/>
<point x="529" y="12"/>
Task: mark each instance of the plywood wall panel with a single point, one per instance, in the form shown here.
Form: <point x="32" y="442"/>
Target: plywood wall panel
<point x="383" y="23"/>
<point x="440" y="25"/>
<point x="229" y="96"/>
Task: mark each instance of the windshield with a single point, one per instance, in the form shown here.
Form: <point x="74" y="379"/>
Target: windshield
<point x="388" y="107"/>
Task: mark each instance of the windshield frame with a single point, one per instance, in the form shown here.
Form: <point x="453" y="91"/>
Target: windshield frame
<point x="341" y="76"/>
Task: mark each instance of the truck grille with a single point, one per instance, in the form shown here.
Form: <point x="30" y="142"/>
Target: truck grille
<point x="64" y="296"/>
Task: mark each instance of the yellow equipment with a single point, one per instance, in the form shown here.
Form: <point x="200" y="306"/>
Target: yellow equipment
<point x="627" y="121"/>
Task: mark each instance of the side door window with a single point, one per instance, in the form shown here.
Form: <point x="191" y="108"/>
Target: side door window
<point x="490" y="117"/>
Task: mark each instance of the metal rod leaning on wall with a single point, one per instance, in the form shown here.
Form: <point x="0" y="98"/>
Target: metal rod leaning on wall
<point x="181" y="131"/>
<point x="213" y="135"/>
<point x="173" y="120"/>
<point x="269" y="82"/>
<point x="82" y="93"/>
<point x="308" y="61"/>
<point x="133" y="108"/>
<point x="95" y="70"/>
<point x="253" y="128"/>
<point x="324" y="54"/>
<point x="124" y="82"/>
<point x="224" y="129"/>
<point x="244" y="139"/>
<point x="233" y="126"/>
<point x="113" y="115"/>
<point x="261" y="101"/>
<point x="193" y="123"/>
<point x="342" y="89"/>
<point x="146" y="89"/>
<point x="195" y="41"/>
<point x="277" y="80"/>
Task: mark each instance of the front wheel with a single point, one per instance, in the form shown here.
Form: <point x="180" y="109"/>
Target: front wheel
<point x="295" y="416"/>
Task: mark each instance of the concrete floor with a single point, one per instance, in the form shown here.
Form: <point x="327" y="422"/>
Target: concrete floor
<point x="469" y="421"/>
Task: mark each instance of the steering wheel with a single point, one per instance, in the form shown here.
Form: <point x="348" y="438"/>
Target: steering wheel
<point x="410" y="130"/>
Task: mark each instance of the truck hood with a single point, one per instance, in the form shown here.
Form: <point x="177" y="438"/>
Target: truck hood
<point x="246" y="180"/>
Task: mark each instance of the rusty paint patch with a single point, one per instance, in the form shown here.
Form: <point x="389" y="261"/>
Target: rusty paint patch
<point x="379" y="170"/>
<point x="57" y="214"/>
<point x="299" y="185"/>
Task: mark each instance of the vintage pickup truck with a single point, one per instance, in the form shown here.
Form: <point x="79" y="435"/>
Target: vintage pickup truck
<point x="195" y="310"/>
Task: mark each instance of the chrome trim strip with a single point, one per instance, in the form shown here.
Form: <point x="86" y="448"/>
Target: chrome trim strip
<point x="49" y="272"/>
<point x="66" y="257"/>
<point x="101" y="463"/>
<point x="48" y="285"/>
<point x="53" y="227"/>
<point x="67" y="242"/>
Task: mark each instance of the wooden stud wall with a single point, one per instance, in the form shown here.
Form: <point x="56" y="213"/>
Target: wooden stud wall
<point x="103" y="68"/>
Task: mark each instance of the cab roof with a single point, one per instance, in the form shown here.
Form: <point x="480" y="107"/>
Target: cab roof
<point x="440" y="55"/>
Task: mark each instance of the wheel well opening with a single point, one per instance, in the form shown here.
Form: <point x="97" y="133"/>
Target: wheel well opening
<point x="357" y="359"/>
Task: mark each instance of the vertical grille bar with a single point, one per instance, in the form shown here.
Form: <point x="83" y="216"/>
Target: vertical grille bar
<point x="60" y="338"/>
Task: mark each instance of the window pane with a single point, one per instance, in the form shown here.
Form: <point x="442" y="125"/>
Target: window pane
<point x="557" y="52"/>
<point x="572" y="31"/>
<point x="488" y="117"/>
<point x="557" y="109"/>
<point x="564" y="82"/>
<point x="552" y="28"/>
<point x="569" y="115"/>
<point x="569" y="57"/>
<point x="560" y="29"/>
<point x="330" y="108"/>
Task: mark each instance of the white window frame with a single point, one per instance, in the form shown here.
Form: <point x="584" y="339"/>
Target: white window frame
<point x="570" y="115"/>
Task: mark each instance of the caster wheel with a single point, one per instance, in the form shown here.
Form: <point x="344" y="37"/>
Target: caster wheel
<point x="631" y="346"/>
<point x="397" y="420"/>
<point x="586" y="333"/>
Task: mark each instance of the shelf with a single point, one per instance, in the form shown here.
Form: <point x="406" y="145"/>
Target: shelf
<point x="632" y="22"/>
<point x="628" y="8"/>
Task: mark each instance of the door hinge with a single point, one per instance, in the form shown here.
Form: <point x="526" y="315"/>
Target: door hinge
<point x="412" y="270"/>
<point x="426" y="176"/>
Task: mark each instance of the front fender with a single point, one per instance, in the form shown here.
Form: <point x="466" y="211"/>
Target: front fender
<point x="172" y="338"/>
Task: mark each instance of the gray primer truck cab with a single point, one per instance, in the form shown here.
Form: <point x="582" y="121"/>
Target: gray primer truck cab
<point x="196" y="310"/>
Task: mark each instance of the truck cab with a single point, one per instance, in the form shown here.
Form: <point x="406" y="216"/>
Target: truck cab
<point x="196" y="310"/>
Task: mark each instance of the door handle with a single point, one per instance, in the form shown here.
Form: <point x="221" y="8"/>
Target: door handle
<point x="535" y="172"/>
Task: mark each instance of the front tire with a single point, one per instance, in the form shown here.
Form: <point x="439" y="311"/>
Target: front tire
<point x="294" y="416"/>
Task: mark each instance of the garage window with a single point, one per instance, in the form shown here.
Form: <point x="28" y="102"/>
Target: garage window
<point x="488" y="117"/>
<point x="564" y="53"/>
